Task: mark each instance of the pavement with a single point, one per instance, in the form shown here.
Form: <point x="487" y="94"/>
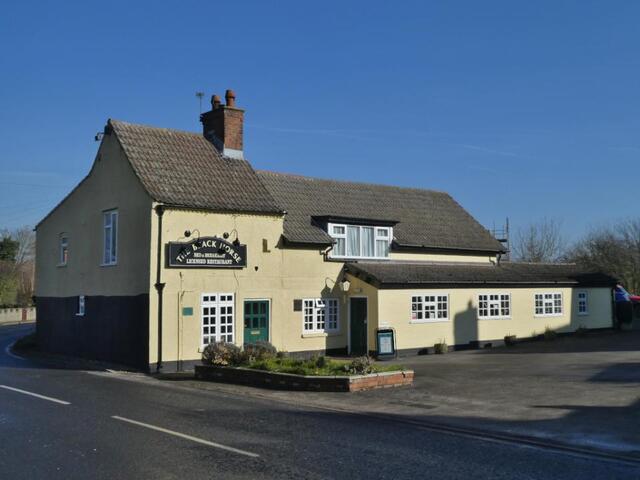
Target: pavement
<point x="578" y="392"/>
<point x="72" y="423"/>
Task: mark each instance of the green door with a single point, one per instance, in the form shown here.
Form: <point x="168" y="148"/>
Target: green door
<point x="358" y="328"/>
<point x="256" y="321"/>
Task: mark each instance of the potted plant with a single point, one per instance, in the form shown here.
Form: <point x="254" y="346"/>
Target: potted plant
<point x="549" y="334"/>
<point x="440" y="347"/>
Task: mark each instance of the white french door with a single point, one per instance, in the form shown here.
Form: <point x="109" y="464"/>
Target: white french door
<point x="217" y="310"/>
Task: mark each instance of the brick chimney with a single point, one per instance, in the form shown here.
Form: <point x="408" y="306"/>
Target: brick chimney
<point x="223" y="125"/>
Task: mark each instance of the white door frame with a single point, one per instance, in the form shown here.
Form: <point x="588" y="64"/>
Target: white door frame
<point x="366" y="323"/>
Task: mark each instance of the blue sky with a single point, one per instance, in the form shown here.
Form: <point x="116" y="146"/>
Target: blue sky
<point x="518" y="109"/>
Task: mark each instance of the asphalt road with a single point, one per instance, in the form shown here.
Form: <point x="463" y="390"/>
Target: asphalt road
<point x="68" y="424"/>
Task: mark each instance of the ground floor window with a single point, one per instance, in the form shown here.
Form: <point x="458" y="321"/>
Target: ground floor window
<point x="320" y="315"/>
<point x="583" y="303"/>
<point x="494" y="305"/>
<point x="217" y="317"/>
<point x="430" y="308"/>
<point x="548" y="304"/>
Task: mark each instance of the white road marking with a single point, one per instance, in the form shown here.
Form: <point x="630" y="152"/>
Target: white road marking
<point x="37" y="395"/>
<point x="188" y="437"/>
<point x="8" y="351"/>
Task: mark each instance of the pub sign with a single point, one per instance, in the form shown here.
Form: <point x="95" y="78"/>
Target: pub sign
<point x="206" y="252"/>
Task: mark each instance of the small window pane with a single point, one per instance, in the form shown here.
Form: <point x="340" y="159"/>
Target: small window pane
<point x="382" y="248"/>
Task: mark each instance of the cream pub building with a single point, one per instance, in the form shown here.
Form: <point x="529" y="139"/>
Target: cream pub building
<point x="173" y="241"/>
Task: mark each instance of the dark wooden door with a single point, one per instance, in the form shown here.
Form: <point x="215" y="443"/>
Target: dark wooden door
<point x="358" y="328"/>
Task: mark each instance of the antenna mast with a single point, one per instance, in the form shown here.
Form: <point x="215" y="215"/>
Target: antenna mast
<point x="200" y="96"/>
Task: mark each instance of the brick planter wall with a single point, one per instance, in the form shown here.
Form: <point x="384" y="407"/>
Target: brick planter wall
<point x="287" y="381"/>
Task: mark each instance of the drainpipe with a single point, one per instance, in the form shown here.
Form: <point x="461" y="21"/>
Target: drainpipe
<point x="159" y="285"/>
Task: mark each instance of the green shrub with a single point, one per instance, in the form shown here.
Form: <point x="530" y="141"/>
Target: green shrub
<point x="221" y="354"/>
<point x="360" y="366"/>
<point x="260" y="350"/>
<point x="549" y="334"/>
<point x="510" y="340"/>
<point x="321" y="362"/>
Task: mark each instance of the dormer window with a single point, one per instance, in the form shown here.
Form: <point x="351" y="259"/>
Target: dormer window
<point x="360" y="241"/>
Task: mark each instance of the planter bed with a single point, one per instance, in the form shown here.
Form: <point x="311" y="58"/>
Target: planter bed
<point x="315" y="383"/>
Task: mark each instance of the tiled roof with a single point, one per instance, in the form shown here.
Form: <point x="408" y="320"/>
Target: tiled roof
<point x="426" y="218"/>
<point x="183" y="169"/>
<point x="398" y="274"/>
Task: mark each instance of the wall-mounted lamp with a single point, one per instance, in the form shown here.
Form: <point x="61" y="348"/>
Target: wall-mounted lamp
<point x="345" y="284"/>
<point x="188" y="233"/>
<point x="226" y="236"/>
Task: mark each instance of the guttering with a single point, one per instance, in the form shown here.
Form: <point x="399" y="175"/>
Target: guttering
<point x="478" y="284"/>
<point x="159" y="209"/>
<point x="430" y="248"/>
<point x="235" y="211"/>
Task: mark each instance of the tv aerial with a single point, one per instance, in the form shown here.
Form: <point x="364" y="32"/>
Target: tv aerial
<point x="200" y="96"/>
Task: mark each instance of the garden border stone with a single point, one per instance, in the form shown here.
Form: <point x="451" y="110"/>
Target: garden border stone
<point x="313" y="383"/>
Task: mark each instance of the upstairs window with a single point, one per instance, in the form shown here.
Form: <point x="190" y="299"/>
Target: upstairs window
<point x="64" y="250"/>
<point x="110" y="256"/>
<point x="359" y="241"/>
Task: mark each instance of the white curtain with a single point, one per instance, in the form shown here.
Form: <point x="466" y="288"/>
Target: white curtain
<point x="368" y="244"/>
<point x="383" y="248"/>
<point x="353" y="241"/>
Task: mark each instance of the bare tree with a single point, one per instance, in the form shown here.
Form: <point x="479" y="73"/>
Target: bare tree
<point x="615" y="250"/>
<point x="539" y="242"/>
<point x="26" y="238"/>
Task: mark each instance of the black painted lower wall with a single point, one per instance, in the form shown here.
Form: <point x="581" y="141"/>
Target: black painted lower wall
<point x="113" y="329"/>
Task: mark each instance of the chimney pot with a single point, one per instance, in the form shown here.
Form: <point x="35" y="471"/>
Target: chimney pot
<point x="230" y="98"/>
<point x="223" y="126"/>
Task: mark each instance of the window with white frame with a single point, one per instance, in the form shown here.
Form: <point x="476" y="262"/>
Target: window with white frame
<point x="583" y="303"/>
<point x="430" y="308"/>
<point x="217" y="317"/>
<point x="80" y="311"/>
<point x="494" y="305"/>
<point x="360" y="241"/>
<point x="548" y="304"/>
<point x="64" y="249"/>
<point x="110" y="256"/>
<point x="320" y="315"/>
